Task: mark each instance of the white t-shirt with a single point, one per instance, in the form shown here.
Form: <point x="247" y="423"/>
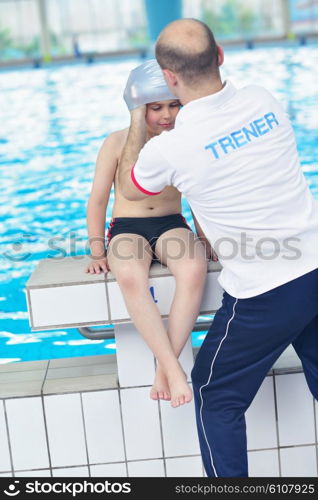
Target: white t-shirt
<point x="233" y="155"/>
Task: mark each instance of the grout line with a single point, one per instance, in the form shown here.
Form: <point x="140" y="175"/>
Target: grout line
<point x="93" y="464"/>
<point x="31" y="470"/>
<point x="277" y="426"/>
<point x="123" y="429"/>
<point x="45" y="375"/>
<point x="285" y="447"/>
<point x="69" y="466"/>
<point x="287" y="371"/>
<point x="108" y="304"/>
<point x="316" y="427"/>
<point x="85" y="434"/>
<point x="146" y="460"/>
<point x="61" y="393"/>
<point x="46" y="434"/>
<point x="160" y="458"/>
<point x="8" y="436"/>
<point x="76" y="391"/>
<point x="161" y="434"/>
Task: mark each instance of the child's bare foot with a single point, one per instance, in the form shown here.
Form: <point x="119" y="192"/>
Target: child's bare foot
<point x="180" y="390"/>
<point x="160" y="388"/>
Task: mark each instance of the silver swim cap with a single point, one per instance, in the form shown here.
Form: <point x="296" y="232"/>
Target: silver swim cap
<point x="146" y="84"/>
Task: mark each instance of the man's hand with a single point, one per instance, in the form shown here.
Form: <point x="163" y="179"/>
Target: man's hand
<point x="214" y="256"/>
<point x="139" y="115"/>
<point x="209" y="252"/>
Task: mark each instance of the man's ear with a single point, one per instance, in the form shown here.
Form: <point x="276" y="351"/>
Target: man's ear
<point x="170" y="78"/>
<point x="220" y="55"/>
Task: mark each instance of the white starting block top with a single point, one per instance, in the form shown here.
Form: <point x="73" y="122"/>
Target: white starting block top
<point x="60" y="294"/>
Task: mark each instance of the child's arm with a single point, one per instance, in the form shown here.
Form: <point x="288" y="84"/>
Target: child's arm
<point x="105" y="170"/>
<point x="210" y="254"/>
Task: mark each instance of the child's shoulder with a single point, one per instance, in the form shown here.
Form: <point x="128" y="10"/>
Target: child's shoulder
<point x="119" y="136"/>
<point x="114" y="142"/>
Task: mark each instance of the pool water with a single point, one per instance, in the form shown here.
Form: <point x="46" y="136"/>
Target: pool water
<point x="53" y="121"/>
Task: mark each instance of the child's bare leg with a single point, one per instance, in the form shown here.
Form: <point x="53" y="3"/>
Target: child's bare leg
<point x="184" y="255"/>
<point x="129" y="258"/>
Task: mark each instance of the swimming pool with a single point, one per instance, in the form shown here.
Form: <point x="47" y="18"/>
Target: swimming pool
<point x="53" y="121"/>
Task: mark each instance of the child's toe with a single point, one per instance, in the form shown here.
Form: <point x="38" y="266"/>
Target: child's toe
<point x="153" y="395"/>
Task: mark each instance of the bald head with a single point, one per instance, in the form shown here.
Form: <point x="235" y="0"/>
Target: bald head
<point x="187" y="47"/>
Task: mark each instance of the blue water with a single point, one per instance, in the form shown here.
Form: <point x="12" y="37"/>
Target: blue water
<point x="52" y="124"/>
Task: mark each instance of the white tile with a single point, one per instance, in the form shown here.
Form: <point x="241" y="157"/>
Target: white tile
<point x="213" y="293"/>
<point x="72" y="304"/>
<point x="27" y="433"/>
<point x="204" y="472"/>
<point x="33" y="473"/>
<point x="109" y="470"/>
<point x="179" y="430"/>
<point x="4" y="446"/>
<point x="263" y="463"/>
<point x="6" y="474"/>
<point x="299" y="461"/>
<point x="103" y="427"/>
<point x="135" y="361"/>
<point x="71" y="472"/>
<point x="260" y="418"/>
<point x="146" y="468"/>
<point x="141" y="424"/>
<point x="295" y="410"/>
<point x="65" y="430"/>
<point x="184" y="467"/>
<point x="288" y="359"/>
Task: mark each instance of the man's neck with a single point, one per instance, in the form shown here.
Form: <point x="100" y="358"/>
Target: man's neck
<point x="205" y="90"/>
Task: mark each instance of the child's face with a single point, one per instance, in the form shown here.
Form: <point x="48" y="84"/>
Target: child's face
<point x="161" y="115"/>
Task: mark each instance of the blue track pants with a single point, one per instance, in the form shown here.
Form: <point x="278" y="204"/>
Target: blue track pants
<point x="244" y="341"/>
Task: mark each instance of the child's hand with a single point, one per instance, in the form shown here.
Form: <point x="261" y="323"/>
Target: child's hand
<point x="97" y="266"/>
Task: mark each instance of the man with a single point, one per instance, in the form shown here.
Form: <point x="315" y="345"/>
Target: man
<point x="233" y="155"/>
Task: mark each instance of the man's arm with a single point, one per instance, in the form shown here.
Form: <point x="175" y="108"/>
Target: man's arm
<point x="143" y="170"/>
<point x="136" y="139"/>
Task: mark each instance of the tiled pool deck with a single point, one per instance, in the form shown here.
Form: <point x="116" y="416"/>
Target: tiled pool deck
<point x="69" y="417"/>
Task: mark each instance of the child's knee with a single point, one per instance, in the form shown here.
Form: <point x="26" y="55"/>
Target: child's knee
<point x="129" y="276"/>
<point x="194" y="272"/>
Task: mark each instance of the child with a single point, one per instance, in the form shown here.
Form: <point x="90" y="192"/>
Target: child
<point x="141" y="231"/>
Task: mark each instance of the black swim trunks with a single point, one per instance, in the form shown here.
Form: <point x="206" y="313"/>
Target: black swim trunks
<point x="148" y="227"/>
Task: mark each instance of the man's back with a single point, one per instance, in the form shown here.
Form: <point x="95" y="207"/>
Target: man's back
<point x="233" y="155"/>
